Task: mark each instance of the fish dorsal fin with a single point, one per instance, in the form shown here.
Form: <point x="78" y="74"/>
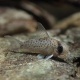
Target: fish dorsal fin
<point x="43" y="31"/>
<point x="40" y="32"/>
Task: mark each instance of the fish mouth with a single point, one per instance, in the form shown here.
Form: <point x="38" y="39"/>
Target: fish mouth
<point x="65" y="56"/>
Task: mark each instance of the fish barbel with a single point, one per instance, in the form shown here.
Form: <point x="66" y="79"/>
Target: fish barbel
<point x="43" y="44"/>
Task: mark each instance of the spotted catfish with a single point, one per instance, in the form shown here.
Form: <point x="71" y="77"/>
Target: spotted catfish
<point x="42" y="44"/>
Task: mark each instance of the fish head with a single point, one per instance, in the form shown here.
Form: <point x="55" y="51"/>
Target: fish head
<point x="61" y="50"/>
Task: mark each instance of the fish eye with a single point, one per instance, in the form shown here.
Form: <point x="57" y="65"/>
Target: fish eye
<point x="60" y="48"/>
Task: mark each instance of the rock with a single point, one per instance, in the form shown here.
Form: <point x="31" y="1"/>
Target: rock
<point x="37" y="70"/>
<point x="13" y="21"/>
<point x="73" y="20"/>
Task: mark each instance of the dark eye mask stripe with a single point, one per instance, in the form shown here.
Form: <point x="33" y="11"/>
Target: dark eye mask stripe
<point x="59" y="48"/>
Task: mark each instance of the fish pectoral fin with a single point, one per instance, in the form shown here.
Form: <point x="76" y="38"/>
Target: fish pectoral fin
<point x="49" y="56"/>
<point x="40" y="56"/>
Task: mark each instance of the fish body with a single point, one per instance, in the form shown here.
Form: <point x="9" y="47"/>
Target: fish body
<point x="44" y="45"/>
